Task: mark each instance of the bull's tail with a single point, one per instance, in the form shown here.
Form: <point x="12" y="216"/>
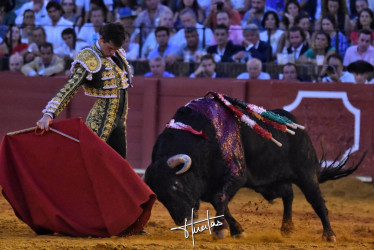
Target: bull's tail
<point x="336" y="169"/>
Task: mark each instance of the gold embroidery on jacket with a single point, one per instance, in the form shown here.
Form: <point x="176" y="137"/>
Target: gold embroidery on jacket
<point x="101" y="117"/>
<point x="103" y="93"/>
<point x="62" y="98"/>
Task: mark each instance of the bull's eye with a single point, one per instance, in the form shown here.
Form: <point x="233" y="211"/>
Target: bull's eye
<point x="176" y="186"/>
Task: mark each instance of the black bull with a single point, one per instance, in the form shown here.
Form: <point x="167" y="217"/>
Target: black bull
<point x="269" y="170"/>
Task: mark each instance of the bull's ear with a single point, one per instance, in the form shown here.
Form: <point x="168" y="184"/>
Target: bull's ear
<point x="180" y="159"/>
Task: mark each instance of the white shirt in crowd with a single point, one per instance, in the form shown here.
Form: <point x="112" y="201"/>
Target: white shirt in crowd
<point x="87" y="33"/>
<point x="274" y="38"/>
<point x="41" y="17"/>
<point x="85" y="4"/>
<point x="54" y="32"/>
<point x="346" y="77"/>
<point x="262" y="76"/>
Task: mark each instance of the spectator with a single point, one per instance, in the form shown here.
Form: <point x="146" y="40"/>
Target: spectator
<point x="271" y="23"/>
<point x="358" y="7"/>
<point x="312" y="8"/>
<point x="188" y="19"/>
<point x="17" y="4"/>
<point x="47" y="64"/>
<point x="28" y="57"/>
<point x="337" y="9"/>
<point x="254" y="67"/>
<point x="241" y="6"/>
<point x="289" y="73"/>
<point x="291" y="11"/>
<point x="218" y="5"/>
<point x="12" y="42"/>
<point x="304" y="22"/>
<point x="332" y="70"/>
<point x="90" y="31"/>
<point x="277" y="5"/>
<point x="365" y="21"/>
<point x="192" y="4"/>
<point x="27" y="26"/>
<point x="225" y="49"/>
<point x="157" y="66"/>
<point x="38" y="38"/>
<point x="106" y="6"/>
<point x="193" y="50"/>
<point x="40" y="9"/>
<point x="361" y="71"/>
<point x="126" y="18"/>
<point x="72" y="46"/>
<point x="15" y="63"/>
<point x="253" y="46"/>
<point x="298" y="46"/>
<point x="256" y="13"/>
<point x="338" y="39"/>
<point x="133" y="5"/>
<point x="7" y="16"/>
<point x="321" y="47"/>
<point x="3" y="26"/>
<point x="166" y="20"/>
<point x="204" y="4"/>
<point x="69" y="13"/>
<point x="362" y="51"/>
<point x="235" y="31"/>
<point x="165" y="50"/>
<point x="131" y="49"/>
<point x="84" y="7"/>
<point x="148" y="17"/>
<point x="207" y="68"/>
<point x="57" y="24"/>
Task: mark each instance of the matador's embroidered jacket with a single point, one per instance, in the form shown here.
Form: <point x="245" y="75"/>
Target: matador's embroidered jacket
<point x="100" y="77"/>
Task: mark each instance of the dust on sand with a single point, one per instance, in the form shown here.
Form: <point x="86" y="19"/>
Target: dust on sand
<point x="351" y="212"/>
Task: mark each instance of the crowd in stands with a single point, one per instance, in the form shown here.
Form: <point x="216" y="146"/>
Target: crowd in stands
<point x="41" y="37"/>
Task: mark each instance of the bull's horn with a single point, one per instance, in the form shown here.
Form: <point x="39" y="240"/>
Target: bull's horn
<point x="179" y="159"/>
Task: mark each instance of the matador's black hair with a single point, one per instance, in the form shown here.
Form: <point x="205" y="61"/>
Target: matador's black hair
<point x="113" y="32"/>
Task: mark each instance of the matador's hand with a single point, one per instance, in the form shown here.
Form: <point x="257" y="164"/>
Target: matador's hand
<point x="44" y="122"/>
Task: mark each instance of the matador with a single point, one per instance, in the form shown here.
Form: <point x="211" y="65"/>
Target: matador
<point x="104" y="73"/>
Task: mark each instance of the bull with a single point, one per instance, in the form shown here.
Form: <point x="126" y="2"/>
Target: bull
<point x="187" y="167"/>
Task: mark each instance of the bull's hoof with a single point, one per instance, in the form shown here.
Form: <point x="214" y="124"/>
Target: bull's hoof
<point x="241" y="235"/>
<point x="221" y="234"/>
<point x="287" y="229"/>
<point x="329" y="238"/>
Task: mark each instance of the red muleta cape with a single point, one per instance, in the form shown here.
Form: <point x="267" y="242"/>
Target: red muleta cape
<point x="85" y="188"/>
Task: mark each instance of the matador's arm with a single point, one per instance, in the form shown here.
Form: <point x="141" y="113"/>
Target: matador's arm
<point x="63" y="97"/>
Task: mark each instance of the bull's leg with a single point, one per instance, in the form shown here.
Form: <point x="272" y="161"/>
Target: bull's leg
<point x="220" y="203"/>
<point x="283" y="190"/>
<point x="236" y="230"/>
<point x="287" y="197"/>
<point x="222" y="230"/>
<point x="313" y="194"/>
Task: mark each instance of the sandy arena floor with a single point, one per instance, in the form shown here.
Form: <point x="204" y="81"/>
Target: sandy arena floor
<point x="351" y="211"/>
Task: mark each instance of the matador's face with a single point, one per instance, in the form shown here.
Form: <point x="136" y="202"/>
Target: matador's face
<point x="108" y="48"/>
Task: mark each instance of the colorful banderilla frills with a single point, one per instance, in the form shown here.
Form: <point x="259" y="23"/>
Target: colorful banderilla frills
<point x="277" y="121"/>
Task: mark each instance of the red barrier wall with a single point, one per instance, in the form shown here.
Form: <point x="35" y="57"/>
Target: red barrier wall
<point x="337" y="115"/>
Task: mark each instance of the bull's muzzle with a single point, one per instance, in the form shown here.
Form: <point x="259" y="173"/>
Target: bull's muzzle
<point x="180" y="159"/>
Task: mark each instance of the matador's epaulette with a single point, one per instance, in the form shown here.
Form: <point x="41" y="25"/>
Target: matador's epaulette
<point x="90" y="60"/>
